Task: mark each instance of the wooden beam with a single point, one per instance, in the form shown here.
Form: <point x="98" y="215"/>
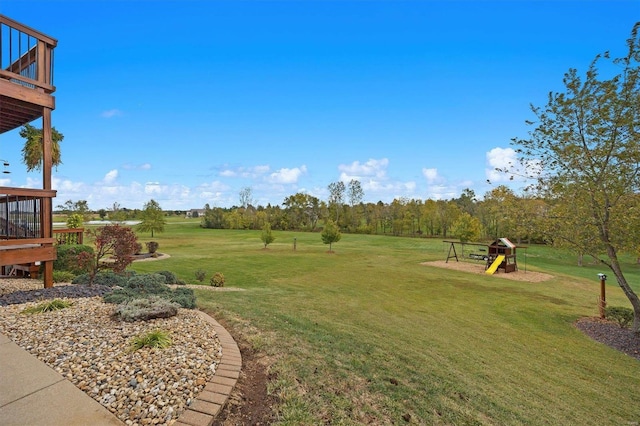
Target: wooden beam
<point x="46" y="205"/>
<point x="25" y="29"/>
<point x="44" y="84"/>
<point x="25" y="94"/>
<point x="12" y="257"/>
<point x="24" y="243"/>
<point x="24" y="61"/>
<point x="27" y="192"/>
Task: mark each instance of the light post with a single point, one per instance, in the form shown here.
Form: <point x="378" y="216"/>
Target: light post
<point x="602" y="301"/>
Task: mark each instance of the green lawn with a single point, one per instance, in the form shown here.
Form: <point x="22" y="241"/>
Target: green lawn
<point x="368" y="334"/>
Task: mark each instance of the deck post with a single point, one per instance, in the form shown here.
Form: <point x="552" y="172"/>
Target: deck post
<point x="47" y="207"/>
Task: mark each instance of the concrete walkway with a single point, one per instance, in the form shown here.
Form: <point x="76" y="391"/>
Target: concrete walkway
<point x="32" y="393"/>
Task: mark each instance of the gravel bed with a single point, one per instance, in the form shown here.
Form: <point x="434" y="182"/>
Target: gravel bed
<point x="92" y="350"/>
<point x="611" y="334"/>
<point x="40" y="293"/>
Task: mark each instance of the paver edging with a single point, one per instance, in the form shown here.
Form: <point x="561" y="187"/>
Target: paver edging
<point x="203" y="411"/>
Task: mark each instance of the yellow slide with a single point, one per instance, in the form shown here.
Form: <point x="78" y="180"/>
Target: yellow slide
<point x="494" y="266"/>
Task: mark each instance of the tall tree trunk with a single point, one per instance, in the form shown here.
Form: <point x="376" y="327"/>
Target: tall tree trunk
<point x="628" y="291"/>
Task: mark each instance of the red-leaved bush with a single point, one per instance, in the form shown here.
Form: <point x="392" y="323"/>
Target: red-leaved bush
<point x="114" y="242"/>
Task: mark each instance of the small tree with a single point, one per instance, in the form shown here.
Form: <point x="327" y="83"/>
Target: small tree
<point x="75" y="220"/>
<point x="330" y="233"/>
<point x="466" y="228"/>
<point x="152" y="218"/>
<point x="118" y="242"/>
<point x="266" y="236"/>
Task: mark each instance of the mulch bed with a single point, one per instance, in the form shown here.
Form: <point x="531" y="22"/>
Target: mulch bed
<point x="611" y="334"/>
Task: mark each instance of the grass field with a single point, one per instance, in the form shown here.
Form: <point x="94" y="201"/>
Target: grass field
<point x="369" y="335"/>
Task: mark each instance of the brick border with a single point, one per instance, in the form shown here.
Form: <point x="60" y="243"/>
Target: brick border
<point x="206" y="406"/>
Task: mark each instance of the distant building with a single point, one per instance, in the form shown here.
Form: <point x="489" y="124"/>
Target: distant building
<point x="195" y="213"/>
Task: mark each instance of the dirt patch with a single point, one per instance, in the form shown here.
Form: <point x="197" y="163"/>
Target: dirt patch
<point x="249" y="402"/>
<point x="478" y="268"/>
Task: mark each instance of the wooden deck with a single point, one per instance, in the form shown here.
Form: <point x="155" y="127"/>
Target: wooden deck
<point x="26" y="94"/>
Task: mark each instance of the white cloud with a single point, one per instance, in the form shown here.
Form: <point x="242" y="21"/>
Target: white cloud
<point x="261" y="169"/>
<point x="153" y="188"/>
<point x="111" y="113"/>
<point x="444" y="191"/>
<point x="431" y="175"/>
<point x="507" y="158"/>
<point x="66" y="185"/>
<point x="246" y="172"/>
<point x="110" y="177"/>
<point x="287" y="176"/>
<point x="355" y="170"/>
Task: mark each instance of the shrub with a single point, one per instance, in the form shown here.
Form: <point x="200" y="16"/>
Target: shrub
<point x="68" y="258"/>
<point x="623" y="316"/>
<point x="217" y="280"/>
<point x="138" y="248"/>
<point x="152" y="246"/>
<point x="201" y="274"/>
<point x="108" y="278"/>
<point x="119" y="296"/>
<point x="51" y="305"/>
<point x="170" y="277"/>
<point x="114" y="241"/>
<point x="185" y="297"/>
<point x="150" y="285"/>
<point x="152" y="339"/>
<point x="63" y="276"/>
<point x="75" y="220"/>
<point x="145" y="309"/>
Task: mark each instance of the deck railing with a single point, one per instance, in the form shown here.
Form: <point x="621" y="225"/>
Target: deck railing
<point x="21" y="216"/>
<point x="69" y="236"/>
<point x="26" y="55"/>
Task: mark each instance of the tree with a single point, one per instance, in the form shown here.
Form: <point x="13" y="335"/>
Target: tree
<point x="74" y="221"/>
<point x="355" y="194"/>
<point x="466" y="228"/>
<point x="80" y="207"/>
<point x="336" y="197"/>
<point x="152" y="218"/>
<point x="467" y="201"/>
<point x="330" y="233"/>
<point x="212" y="218"/>
<point x="32" y="151"/>
<point x="246" y="198"/>
<point x="266" y="236"/>
<point x="117" y="213"/>
<point x="115" y="241"/>
<point x="585" y="155"/>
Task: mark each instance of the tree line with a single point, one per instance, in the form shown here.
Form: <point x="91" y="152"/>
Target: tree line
<point x="500" y="213"/>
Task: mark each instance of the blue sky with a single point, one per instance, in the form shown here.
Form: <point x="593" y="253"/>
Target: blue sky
<point x="187" y="102"/>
